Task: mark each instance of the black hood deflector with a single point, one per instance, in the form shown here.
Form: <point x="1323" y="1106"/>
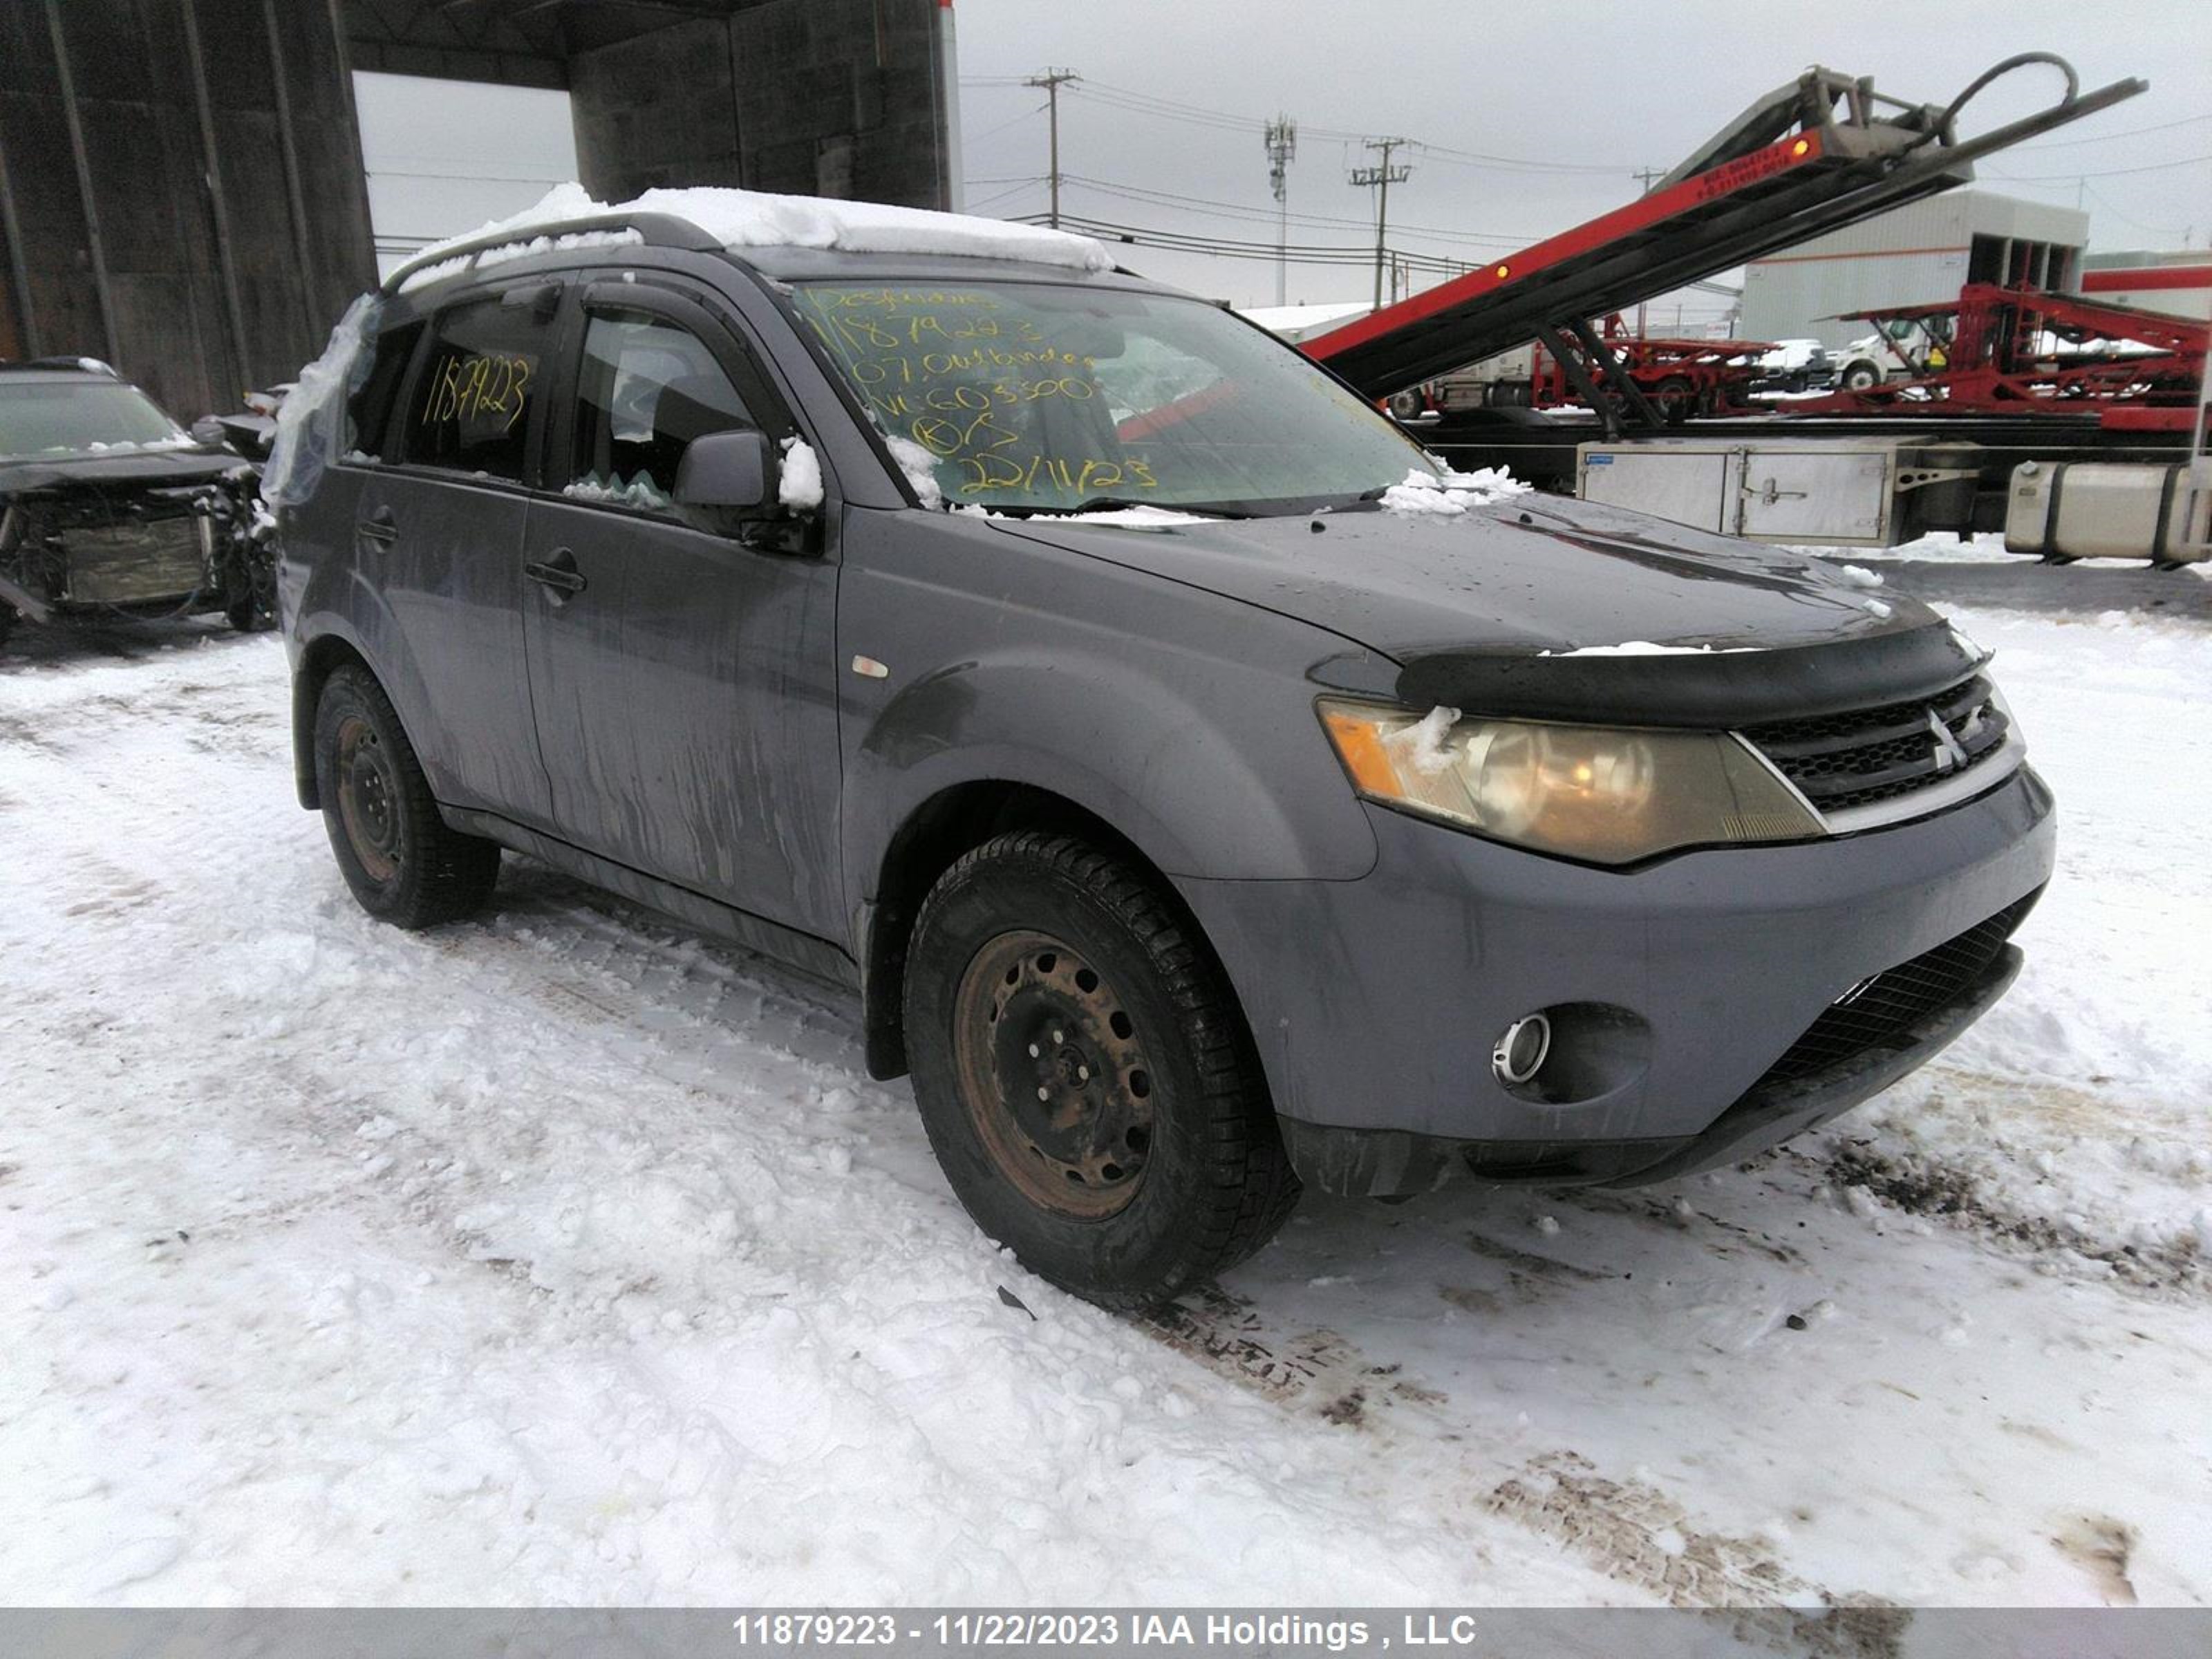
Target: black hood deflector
<point x="1704" y="689"/>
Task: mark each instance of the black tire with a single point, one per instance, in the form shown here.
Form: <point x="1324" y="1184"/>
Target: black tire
<point x="397" y="854"/>
<point x="1676" y="397"/>
<point x="1127" y="1187"/>
<point x="1859" y="377"/>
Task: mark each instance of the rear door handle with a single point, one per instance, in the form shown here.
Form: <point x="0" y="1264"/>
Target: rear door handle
<point x="378" y="529"/>
<point x="557" y="572"/>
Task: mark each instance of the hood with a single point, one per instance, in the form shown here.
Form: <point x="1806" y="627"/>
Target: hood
<point x="1521" y="606"/>
<point x="111" y="468"/>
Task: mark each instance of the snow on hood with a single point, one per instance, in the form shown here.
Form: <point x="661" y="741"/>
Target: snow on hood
<point x="752" y="218"/>
<point x="1523" y="573"/>
<point x="1450" y="494"/>
<point x="1645" y="648"/>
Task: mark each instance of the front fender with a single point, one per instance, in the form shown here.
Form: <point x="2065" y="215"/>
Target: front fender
<point x="1181" y="718"/>
<point x="1195" y="798"/>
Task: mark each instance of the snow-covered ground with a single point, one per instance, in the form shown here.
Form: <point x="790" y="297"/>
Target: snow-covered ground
<point x="562" y="1257"/>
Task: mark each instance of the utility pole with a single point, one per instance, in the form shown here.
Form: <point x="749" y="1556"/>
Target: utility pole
<point x="1380" y="178"/>
<point x="1646" y="177"/>
<point x="1282" y="144"/>
<point x="1051" y="81"/>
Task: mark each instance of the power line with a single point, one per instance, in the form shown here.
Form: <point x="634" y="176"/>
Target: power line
<point x="1335" y="253"/>
<point x="2107" y="138"/>
<point x="1221" y="247"/>
<point x="2106" y="173"/>
<point x="1015" y="189"/>
<point x="993" y="132"/>
<point x="1171" y="109"/>
<point x="1240" y="211"/>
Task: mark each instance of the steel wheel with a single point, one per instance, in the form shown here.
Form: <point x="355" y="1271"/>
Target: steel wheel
<point x="368" y="800"/>
<point x="1085" y="1074"/>
<point x="1053" y="1075"/>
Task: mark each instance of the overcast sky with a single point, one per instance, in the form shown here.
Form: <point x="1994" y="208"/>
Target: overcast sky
<point x="1567" y="101"/>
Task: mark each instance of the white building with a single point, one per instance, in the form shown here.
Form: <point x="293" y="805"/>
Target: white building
<point x="1918" y="254"/>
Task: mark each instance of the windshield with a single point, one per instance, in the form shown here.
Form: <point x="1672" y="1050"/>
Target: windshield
<point x="1043" y="398"/>
<point x="60" y="416"/>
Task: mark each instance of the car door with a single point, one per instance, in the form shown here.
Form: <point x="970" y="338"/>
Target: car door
<point x="438" y="538"/>
<point x="683" y="680"/>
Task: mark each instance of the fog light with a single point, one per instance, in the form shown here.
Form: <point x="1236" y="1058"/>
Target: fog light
<point x="1521" y="1049"/>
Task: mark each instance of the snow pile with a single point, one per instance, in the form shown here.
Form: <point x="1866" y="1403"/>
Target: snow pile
<point x="139" y="445"/>
<point x="749" y="218"/>
<point x="919" y="466"/>
<point x="640" y="491"/>
<point x="1447" y="493"/>
<point x="2104" y="1112"/>
<point x="311" y="426"/>
<point x="798" y="485"/>
<point x="1133" y="518"/>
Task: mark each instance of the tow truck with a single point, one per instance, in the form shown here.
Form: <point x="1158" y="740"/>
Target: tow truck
<point x="1823" y="152"/>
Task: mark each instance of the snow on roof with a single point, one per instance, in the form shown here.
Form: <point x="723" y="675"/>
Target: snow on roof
<point x="751" y="218"/>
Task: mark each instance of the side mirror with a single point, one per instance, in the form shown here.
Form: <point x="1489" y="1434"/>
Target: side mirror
<point x="731" y="474"/>
<point x="209" y="430"/>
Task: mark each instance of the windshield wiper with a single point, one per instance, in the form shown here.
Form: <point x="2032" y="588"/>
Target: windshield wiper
<point x="1110" y="503"/>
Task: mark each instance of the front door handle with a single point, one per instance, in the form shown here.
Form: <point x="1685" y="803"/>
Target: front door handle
<point x="557" y="572"/>
<point x="380" y="529"/>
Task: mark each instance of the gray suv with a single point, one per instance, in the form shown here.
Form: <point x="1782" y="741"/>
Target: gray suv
<point x="1206" y="793"/>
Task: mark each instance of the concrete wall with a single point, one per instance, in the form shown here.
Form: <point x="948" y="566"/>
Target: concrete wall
<point x="811" y="97"/>
<point x="1919" y="254"/>
<point x="180" y="180"/>
<point x="181" y="191"/>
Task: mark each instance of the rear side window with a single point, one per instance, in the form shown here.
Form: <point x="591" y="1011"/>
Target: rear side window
<point x="470" y="407"/>
<point x="646" y="389"/>
<point x="369" y="414"/>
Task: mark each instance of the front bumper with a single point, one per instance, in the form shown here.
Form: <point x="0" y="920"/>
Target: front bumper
<point x="1385" y="1161"/>
<point x="1375" y="1003"/>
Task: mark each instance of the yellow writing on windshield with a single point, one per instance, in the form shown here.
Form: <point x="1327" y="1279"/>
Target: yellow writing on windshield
<point x="1010" y="401"/>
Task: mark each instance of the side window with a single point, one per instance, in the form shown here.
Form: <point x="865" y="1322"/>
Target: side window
<point x="646" y="389"/>
<point x="368" y="429"/>
<point x="469" y="410"/>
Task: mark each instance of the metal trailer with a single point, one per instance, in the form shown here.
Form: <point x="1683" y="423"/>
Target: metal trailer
<point x="2022" y="349"/>
<point x="1823" y="152"/>
<point x="1681" y="377"/>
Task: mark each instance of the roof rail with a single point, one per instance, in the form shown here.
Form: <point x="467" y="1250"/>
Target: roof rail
<point x="653" y="229"/>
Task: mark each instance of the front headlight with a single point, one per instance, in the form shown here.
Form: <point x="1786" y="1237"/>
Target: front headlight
<point x="1609" y="796"/>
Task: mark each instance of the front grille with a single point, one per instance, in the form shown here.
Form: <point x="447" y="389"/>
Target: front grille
<point x="1877" y="1010"/>
<point x="1868" y="755"/>
<point x="136" y="560"/>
